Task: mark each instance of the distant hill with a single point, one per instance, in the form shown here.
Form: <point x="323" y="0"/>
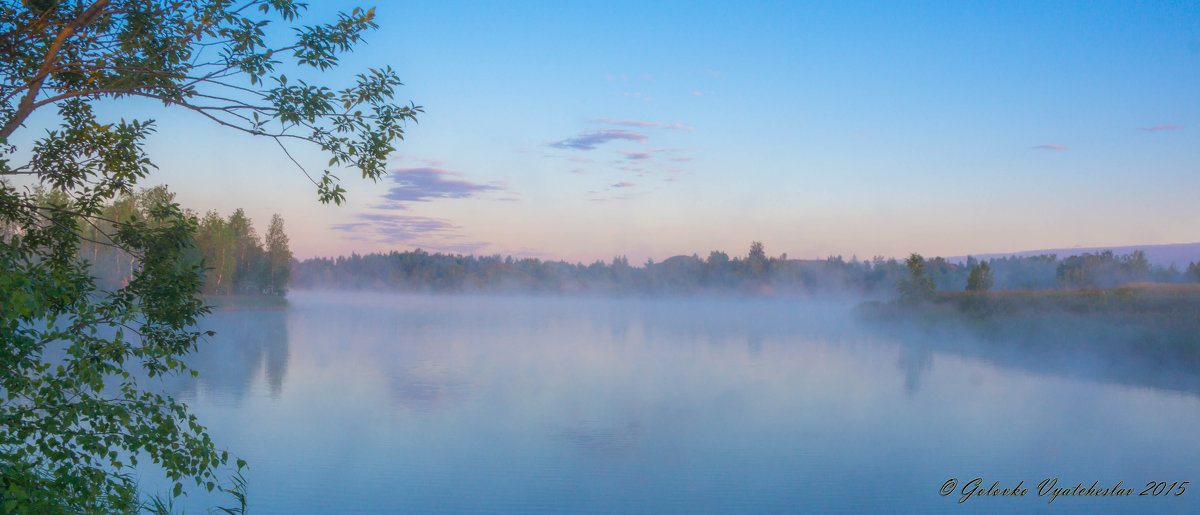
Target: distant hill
<point x="1179" y="254"/>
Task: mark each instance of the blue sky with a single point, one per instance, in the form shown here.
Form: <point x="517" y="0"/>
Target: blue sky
<point x="585" y="130"/>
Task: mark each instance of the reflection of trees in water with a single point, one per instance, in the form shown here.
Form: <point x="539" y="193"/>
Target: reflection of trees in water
<point x="247" y="342"/>
<point x="915" y="360"/>
<point x="1079" y="347"/>
<point x="718" y="322"/>
<point x="410" y="350"/>
<point x="754" y="342"/>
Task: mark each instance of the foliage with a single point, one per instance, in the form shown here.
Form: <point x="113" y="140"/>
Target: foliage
<point x="980" y="278"/>
<point x="230" y="250"/>
<point x="278" y="261"/>
<point x="756" y="261"/>
<point x="1102" y="270"/>
<point x="423" y="271"/>
<point x="235" y="259"/>
<point x="73" y="347"/>
<point x="72" y="411"/>
<point x="917" y="286"/>
<point x="211" y="57"/>
<point x="420" y="271"/>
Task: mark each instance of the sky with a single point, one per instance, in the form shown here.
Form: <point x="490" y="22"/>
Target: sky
<point x="588" y="130"/>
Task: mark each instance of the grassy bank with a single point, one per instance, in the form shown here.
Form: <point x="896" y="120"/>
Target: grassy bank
<point x="1143" y="299"/>
<point x="1155" y="321"/>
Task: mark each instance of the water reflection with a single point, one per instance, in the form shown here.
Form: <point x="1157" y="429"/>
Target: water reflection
<point x="915" y="359"/>
<point x="459" y="404"/>
<point x="1086" y="348"/>
<point x="249" y="345"/>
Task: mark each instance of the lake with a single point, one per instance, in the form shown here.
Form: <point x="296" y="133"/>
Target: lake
<point x="376" y="403"/>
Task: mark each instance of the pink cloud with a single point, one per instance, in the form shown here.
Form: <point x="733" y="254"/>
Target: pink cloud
<point x="643" y="123"/>
<point x="400" y="158"/>
<point x="629" y="123"/>
<point x="682" y="159"/>
<point x="697" y="93"/>
<point x="1049" y="147"/>
<point x="624" y="184"/>
<point x="634" y="156"/>
<point x="1167" y="127"/>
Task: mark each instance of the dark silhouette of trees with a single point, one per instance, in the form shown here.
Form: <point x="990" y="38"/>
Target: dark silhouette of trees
<point x="420" y="271"/>
<point x="917" y="285"/>
<point x="233" y="257"/>
<point x="756" y="261"/>
<point x="1102" y="270"/>
<point x="980" y="278"/>
<point x="278" y="259"/>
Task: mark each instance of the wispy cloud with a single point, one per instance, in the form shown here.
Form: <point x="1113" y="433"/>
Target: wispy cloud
<point x="350" y="227"/>
<point x="635" y="156"/>
<point x="644" y="124"/>
<point x="416" y="231"/>
<point x="629" y="123"/>
<point x="590" y="139"/>
<point x="620" y="191"/>
<point x="1049" y="147"/>
<point x="395" y="227"/>
<point x="424" y="184"/>
<point x="682" y="159"/>
<point x="1167" y="127"/>
<point x="408" y="158"/>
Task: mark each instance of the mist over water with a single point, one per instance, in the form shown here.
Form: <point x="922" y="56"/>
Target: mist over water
<point x="351" y="402"/>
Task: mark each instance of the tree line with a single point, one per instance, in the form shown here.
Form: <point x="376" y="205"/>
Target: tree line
<point x="234" y="258"/>
<point x="753" y="273"/>
<point x="238" y="261"/>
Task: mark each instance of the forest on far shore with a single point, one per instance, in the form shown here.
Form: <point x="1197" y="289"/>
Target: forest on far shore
<point x="236" y="260"/>
<point x="756" y="273"/>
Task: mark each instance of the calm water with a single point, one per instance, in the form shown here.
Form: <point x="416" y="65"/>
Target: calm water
<point x="380" y="403"/>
